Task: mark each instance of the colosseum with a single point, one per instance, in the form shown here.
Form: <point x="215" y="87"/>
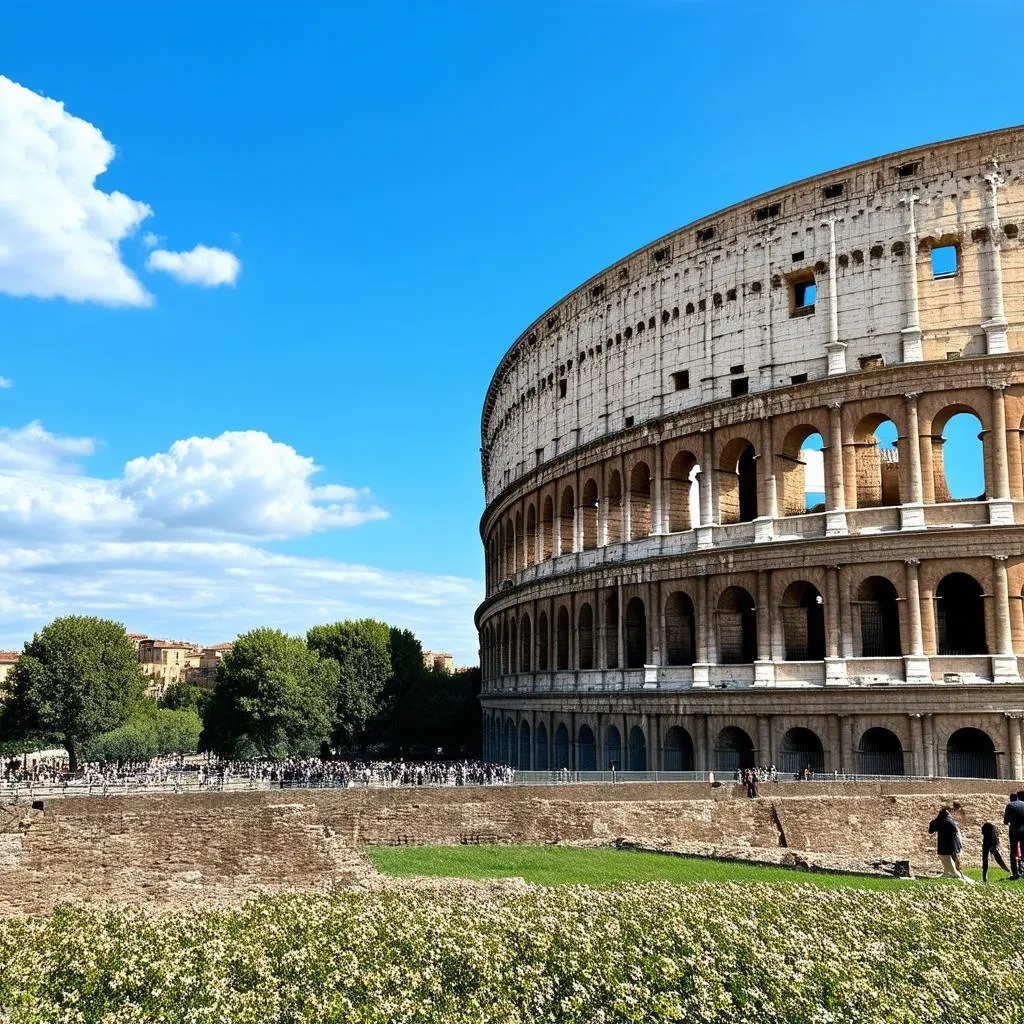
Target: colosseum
<point x="720" y="530"/>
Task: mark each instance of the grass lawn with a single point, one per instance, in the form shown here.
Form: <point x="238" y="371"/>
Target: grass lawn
<point x="566" y="865"/>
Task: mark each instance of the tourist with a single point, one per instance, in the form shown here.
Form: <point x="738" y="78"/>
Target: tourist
<point x="990" y="847"/>
<point x="949" y="844"/>
<point x="1013" y="818"/>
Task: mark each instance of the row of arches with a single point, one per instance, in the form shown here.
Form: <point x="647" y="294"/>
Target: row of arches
<point x="970" y="752"/>
<point x="619" y="502"/>
<point x="508" y="646"/>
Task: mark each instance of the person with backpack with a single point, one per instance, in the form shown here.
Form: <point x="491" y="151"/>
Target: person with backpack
<point x="949" y="845"/>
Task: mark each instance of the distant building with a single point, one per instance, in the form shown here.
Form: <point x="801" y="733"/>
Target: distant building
<point x="440" y="660"/>
<point x="137" y="638"/>
<point x="205" y="673"/>
<point x="7" y="662"/>
<point x="167" y="662"/>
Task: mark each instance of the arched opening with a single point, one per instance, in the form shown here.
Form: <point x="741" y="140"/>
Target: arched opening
<point x="970" y="754"/>
<point x="880" y="753"/>
<point x="614" y="517"/>
<point x="587" y="753"/>
<point x="636" y="634"/>
<point x="531" y="535"/>
<point x="878" y="467"/>
<point x="637" y="750"/>
<point x="541" y="761"/>
<point x="737" y="491"/>
<point x="879" y="619"/>
<point x="513" y="646"/>
<point x="566" y="520"/>
<point x="588" y="510"/>
<point x="736" y="627"/>
<point x="803" y="622"/>
<point x="561" y="747"/>
<point x="506" y="661"/>
<point x="562" y="640"/>
<point x="510" y="751"/>
<point x="678" y="755"/>
<point x="683" y="498"/>
<point x="510" y="548"/>
<point x="734" y="749"/>
<point x="524" y="746"/>
<point x="961" y="615"/>
<point x="802" y="749"/>
<point x="958" y="458"/>
<point x="639" y="502"/>
<point x="680" y="634"/>
<point x="547" y="528"/>
<point x="542" y="642"/>
<point x="611" y="631"/>
<point x="526" y="645"/>
<point x="802" y="475"/>
<point x="612" y="748"/>
<point x="586" y="637"/>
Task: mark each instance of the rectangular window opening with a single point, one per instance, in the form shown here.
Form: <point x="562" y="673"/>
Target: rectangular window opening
<point x="739" y="387"/>
<point x="681" y="380"/>
<point x="798" y="378"/>
<point x="833" y="191"/>
<point x="738" y="368"/>
<point x="629" y="421"/>
<point x="766" y="212"/>
<point x="873" y="362"/>
<point x="803" y="293"/>
<point x="945" y="261"/>
<point x="562" y="385"/>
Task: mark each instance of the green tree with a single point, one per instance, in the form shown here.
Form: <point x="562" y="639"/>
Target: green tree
<point x="79" y="677"/>
<point x="275" y="697"/>
<point x="182" y="696"/>
<point x="362" y="651"/>
<point x="150" y="732"/>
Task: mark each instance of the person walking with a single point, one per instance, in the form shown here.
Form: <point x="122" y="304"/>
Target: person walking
<point x="1013" y="818"/>
<point x="990" y="847"/>
<point x="949" y="844"/>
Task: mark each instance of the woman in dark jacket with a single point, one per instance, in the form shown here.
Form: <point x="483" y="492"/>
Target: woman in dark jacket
<point x="948" y="845"/>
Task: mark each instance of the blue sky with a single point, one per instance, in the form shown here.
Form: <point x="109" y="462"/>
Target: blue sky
<point x="396" y="191"/>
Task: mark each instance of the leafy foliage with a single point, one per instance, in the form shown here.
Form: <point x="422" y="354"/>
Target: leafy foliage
<point x="150" y="732"/>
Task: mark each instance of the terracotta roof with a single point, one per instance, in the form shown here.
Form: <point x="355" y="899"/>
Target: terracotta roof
<point x="10" y="655"/>
<point x="219" y="647"/>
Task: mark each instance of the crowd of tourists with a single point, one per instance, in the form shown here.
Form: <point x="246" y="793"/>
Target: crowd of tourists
<point x="180" y="772"/>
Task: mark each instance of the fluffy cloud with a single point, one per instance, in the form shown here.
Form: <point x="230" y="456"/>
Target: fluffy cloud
<point x="814" y="471"/>
<point x="203" y="265"/>
<point x="59" y="234"/>
<point x="6" y="382"/>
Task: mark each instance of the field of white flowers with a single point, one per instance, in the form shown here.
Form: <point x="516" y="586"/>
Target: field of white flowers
<point x="649" y="953"/>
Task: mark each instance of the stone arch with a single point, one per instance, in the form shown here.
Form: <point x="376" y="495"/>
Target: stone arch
<point x="680" y="631"/>
<point x="509" y="534"/>
<point x="960" y="615"/>
<point x="736" y="627"/>
<point x="802" y="748"/>
<point x="524" y="746"/>
<point x="637" y="750"/>
<point x="541" y="760"/>
<point x="526" y="644"/>
<point x="971" y="754"/>
<point x="531" y="534"/>
<point x="683" y="492"/>
<point x="639" y="501"/>
<point x="961" y="427"/>
<point x="585" y="632"/>
<point x="588" y="513"/>
<point x="877" y="462"/>
<point x="505" y="660"/>
<point x="636" y="633"/>
<point x="513" y="645"/>
<point x="612" y="747"/>
<point x="542" y="641"/>
<point x="880" y="752"/>
<point x="803" y="622"/>
<point x="547" y="535"/>
<point x="611" y="630"/>
<point x="566" y="519"/>
<point x="733" y="749"/>
<point x="561" y="747"/>
<point x="802" y="472"/>
<point x="562" y="640"/>
<point x="678" y="753"/>
<point x="613" y="517"/>
<point x="737" y="490"/>
<point x="879" y="618"/>
<point x="586" y="756"/>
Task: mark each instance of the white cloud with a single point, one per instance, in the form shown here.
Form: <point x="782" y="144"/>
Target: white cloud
<point x="203" y="265"/>
<point x="151" y="240"/>
<point x="814" y="471"/>
<point x="6" y="382"/>
<point x="59" y="234"/>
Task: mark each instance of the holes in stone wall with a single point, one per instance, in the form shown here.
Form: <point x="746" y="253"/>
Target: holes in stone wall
<point x="945" y="261"/>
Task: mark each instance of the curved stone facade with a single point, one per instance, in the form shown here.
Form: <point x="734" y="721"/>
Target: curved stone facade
<point x="662" y="594"/>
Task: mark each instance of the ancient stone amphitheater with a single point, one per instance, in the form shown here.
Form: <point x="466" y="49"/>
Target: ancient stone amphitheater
<point x="669" y="585"/>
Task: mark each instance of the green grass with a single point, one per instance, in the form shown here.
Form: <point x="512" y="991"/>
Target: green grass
<point x="569" y="865"/>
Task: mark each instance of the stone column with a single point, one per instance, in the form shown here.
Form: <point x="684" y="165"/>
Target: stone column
<point x="657" y="511"/>
<point x="835" y="663"/>
<point x="994" y="325"/>
<point x="912" y="512"/>
<point x="929" y="746"/>
<point x="849" y="765"/>
<point x="845" y="614"/>
<point x="627" y="506"/>
<point x="1016" y="754"/>
<point x="764" y="525"/>
<point x="1004" y="661"/>
<point x="916" y="664"/>
<point x="764" y="666"/>
<point x="913" y="351"/>
<point x="619" y="625"/>
<point x="1000" y="506"/>
<point x="835" y="745"/>
<point x="662" y="648"/>
<point x="703" y="636"/>
<point x="705" y="537"/>
<point x="654" y="752"/>
<point x="835" y="348"/>
<point x="702" y="755"/>
<point x="764" y="740"/>
<point x="602" y="508"/>
<point x="835" y="485"/>
<point x="917" y="739"/>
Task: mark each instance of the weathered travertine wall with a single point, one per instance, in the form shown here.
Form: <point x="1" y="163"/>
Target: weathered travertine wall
<point x="203" y="849"/>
